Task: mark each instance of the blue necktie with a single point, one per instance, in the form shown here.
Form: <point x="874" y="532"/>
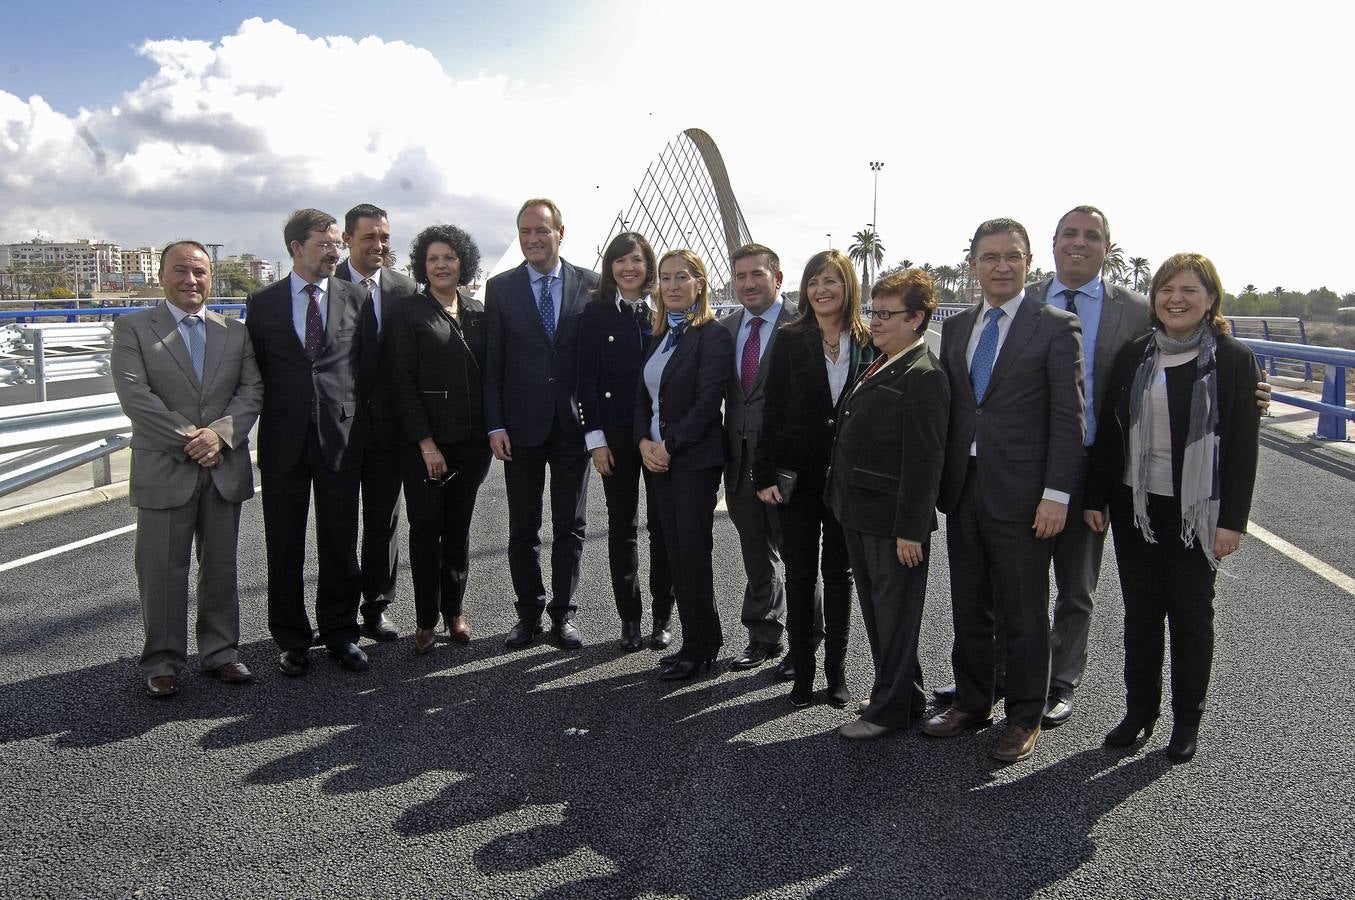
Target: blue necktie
<point x="197" y="342"/>
<point x="1070" y="298"/>
<point x="981" y="368"/>
<point x="546" y="306"/>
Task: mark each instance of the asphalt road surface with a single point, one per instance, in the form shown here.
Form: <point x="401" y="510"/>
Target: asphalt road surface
<point x="482" y="772"/>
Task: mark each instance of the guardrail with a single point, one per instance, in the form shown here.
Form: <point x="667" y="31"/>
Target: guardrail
<point x="39" y="440"/>
<point x="1333" y="414"/>
<point x="1274" y="328"/>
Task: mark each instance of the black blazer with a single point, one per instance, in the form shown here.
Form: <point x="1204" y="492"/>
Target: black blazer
<point x="1238" y="427"/>
<point x="396" y="289"/>
<point x="890" y="447"/>
<point x="799" y="416"/>
<point x="293" y="384"/>
<point x="529" y="381"/>
<point x="690" y="393"/>
<point x="612" y="347"/>
<point x="433" y="368"/>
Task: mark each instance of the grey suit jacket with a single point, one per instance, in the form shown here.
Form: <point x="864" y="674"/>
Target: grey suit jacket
<point x="1029" y="427"/>
<point x="743" y="412"/>
<point x="1124" y="317"/>
<point x="159" y="391"/>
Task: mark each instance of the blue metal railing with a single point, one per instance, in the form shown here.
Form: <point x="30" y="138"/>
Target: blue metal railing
<point x="97" y="313"/>
<point x="1333" y="414"/>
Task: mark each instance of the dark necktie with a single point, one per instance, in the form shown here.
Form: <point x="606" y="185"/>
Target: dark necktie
<point x="546" y="306"/>
<point x="981" y="368"/>
<point x="197" y="342"/>
<point x="752" y="354"/>
<point x="1071" y="297"/>
<point x="368" y="285"/>
<point x="315" y="329"/>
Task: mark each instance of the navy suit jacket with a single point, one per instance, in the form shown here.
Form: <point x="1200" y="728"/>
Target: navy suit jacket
<point x="396" y="289"/>
<point x="691" y="390"/>
<point x="612" y="347"/>
<point x="530" y="381"/>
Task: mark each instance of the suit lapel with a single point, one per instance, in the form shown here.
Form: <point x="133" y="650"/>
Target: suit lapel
<point x="1108" y="331"/>
<point x="769" y="330"/>
<point x="814" y="341"/>
<point x="1018" y="335"/>
<point x="523" y="289"/>
<point x="215" y="330"/>
<point x="735" y="328"/>
<point x="336" y="298"/>
<point x="162" y="322"/>
<point x="955" y="353"/>
<point x="686" y="346"/>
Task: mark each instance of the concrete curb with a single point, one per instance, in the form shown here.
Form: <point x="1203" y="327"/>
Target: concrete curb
<point x="42" y="509"/>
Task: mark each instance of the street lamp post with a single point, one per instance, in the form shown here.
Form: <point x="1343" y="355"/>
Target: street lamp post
<point x="830" y="240"/>
<point x="875" y="168"/>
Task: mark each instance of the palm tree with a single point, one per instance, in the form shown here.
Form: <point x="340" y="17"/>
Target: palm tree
<point x="1115" y="265"/>
<point x="1139" y="271"/>
<point x="945" y="276"/>
<point x="1248" y="288"/>
<point x="906" y="264"/>
<point x="867" y="250"/>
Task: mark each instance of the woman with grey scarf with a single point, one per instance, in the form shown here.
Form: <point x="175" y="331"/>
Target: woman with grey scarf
<point x="1175" y="462"/>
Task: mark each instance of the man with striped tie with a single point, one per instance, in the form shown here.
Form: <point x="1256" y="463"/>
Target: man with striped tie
<point x="1013" y="457"/>
<point x="186" y="379"/>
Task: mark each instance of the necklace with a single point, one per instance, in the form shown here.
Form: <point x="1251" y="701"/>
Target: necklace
<point x="832" y="347"/>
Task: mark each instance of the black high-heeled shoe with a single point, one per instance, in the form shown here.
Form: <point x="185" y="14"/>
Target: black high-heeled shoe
<point x="1185" y="737"/>
<point x="686" y="667"/>
<point x="1127" y="732"/>
<point x="837" y="695"/>
<point x="669" y="658"/>
<point x="630" y="636"/>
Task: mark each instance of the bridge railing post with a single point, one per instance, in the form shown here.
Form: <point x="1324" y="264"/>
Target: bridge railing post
<point x="39" y="364"/>
<point x="1332" y="427"/>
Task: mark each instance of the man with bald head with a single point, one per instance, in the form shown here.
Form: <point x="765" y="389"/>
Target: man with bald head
<point x="187" y="380"/>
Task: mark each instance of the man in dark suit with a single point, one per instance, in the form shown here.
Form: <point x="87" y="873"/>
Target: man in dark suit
<point x="532" y="315"/>
<point x="366" y="231"/>
<point x="1013" y="456"/>
<point x="757" y="280"/>
<point x="307" y="334"/>
<point x="186" y="379"/>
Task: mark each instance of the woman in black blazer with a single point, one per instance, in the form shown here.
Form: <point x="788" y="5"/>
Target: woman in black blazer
<point x="886" y="473"/>
<point x="435" y="352"/>
<point x="614" y="333"/>
<point x="816" y="356"/>
<point x="680" y="432"/>
<point x="1175" y="460"/>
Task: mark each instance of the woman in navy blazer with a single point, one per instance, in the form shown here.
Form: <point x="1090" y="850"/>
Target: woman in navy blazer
<point x="614" y="332"/>
<point x="817" y="356"/>
<point x="680" y="431"/>
<point x="435" y="354"/>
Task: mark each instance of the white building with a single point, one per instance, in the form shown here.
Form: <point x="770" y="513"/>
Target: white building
<point x="140" y="265"/>
<point x="88" y="263"/>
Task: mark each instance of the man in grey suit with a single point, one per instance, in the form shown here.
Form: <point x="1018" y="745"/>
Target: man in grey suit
<point x="1013" y="457"/>
<point x="757" y="279"/>
<point x="186" y="379"/>
<point x="367" y="232"/>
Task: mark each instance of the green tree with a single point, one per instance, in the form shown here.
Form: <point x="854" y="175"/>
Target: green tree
<point x="1115" y="265"/>
<point x="866" y="250"/>
<point x="1322" y="303"/>
<point x="1139" y="272"/>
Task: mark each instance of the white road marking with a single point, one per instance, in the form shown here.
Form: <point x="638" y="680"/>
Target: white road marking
<point x="66" y="548"/>
<point x="1303" y="558"/>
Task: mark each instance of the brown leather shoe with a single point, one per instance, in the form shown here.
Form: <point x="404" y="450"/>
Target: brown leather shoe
<point x="955" y="721"/>
<point x="232" y="673"/>
<point x="161" y="686"/>
<point x="862" y="730"/>
<point x="1016" y="743"/>
<point x="458" y="630"/>
<point x="423" y="640"/>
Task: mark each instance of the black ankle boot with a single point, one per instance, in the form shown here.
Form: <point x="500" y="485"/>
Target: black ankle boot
<point x="1127" y="732"/>
<point x="837" y="686"/>
<point x="802" y="692"/>
<point x="1185" y="734"/>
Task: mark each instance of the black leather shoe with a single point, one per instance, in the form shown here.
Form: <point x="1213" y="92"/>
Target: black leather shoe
<point x="350" y="656"/>
<point x="660" y="637"/>
<point x="785" y="671"/>
<point x="945" y="696"/>
<point x="755" y="654"/>
<point x="294" y="663"/>
<point x="686" y="667"/>
<point x="379" y="628"/>
<point x="567" y="635"/>
<point x="1127" y="732"/>
<point x="1185" y="736"/>
<point x="669" y="658"/>
<point x="521" y="634"/>
<point x="630" y="637"/>
<point x="1058" y="709"/>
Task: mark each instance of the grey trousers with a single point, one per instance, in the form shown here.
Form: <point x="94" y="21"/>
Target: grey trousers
<point x="759" y="528"/>
<point x="164" y="544"/>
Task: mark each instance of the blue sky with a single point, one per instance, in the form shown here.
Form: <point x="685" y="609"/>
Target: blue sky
<point x="1206" y="126"/>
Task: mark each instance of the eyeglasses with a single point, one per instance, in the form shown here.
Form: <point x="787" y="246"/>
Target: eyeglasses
<point x="1011" y="259"/>
<point x="443" y="481"/>
<point x="884" y="315"/>
<point x="328" y="245"/>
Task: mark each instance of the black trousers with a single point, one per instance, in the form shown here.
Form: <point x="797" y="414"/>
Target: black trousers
<point x="439" y="526"/>
<point x="526" y="482"/>
<point x="380" y="526"/>
<point x="686" y="504"/>
<point x="286" y="506"/>
<point x="812" y="541"/>
<point x="1163" y="580"/>
<point x="891" y="597"/>
<point x="622" y="489"/>
<point x="998" y="565"/>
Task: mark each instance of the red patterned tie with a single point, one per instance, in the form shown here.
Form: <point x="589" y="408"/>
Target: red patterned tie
<point x="315" y="329"/>
<point x="874" y="367"/>
<point x="752" y="353"/>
